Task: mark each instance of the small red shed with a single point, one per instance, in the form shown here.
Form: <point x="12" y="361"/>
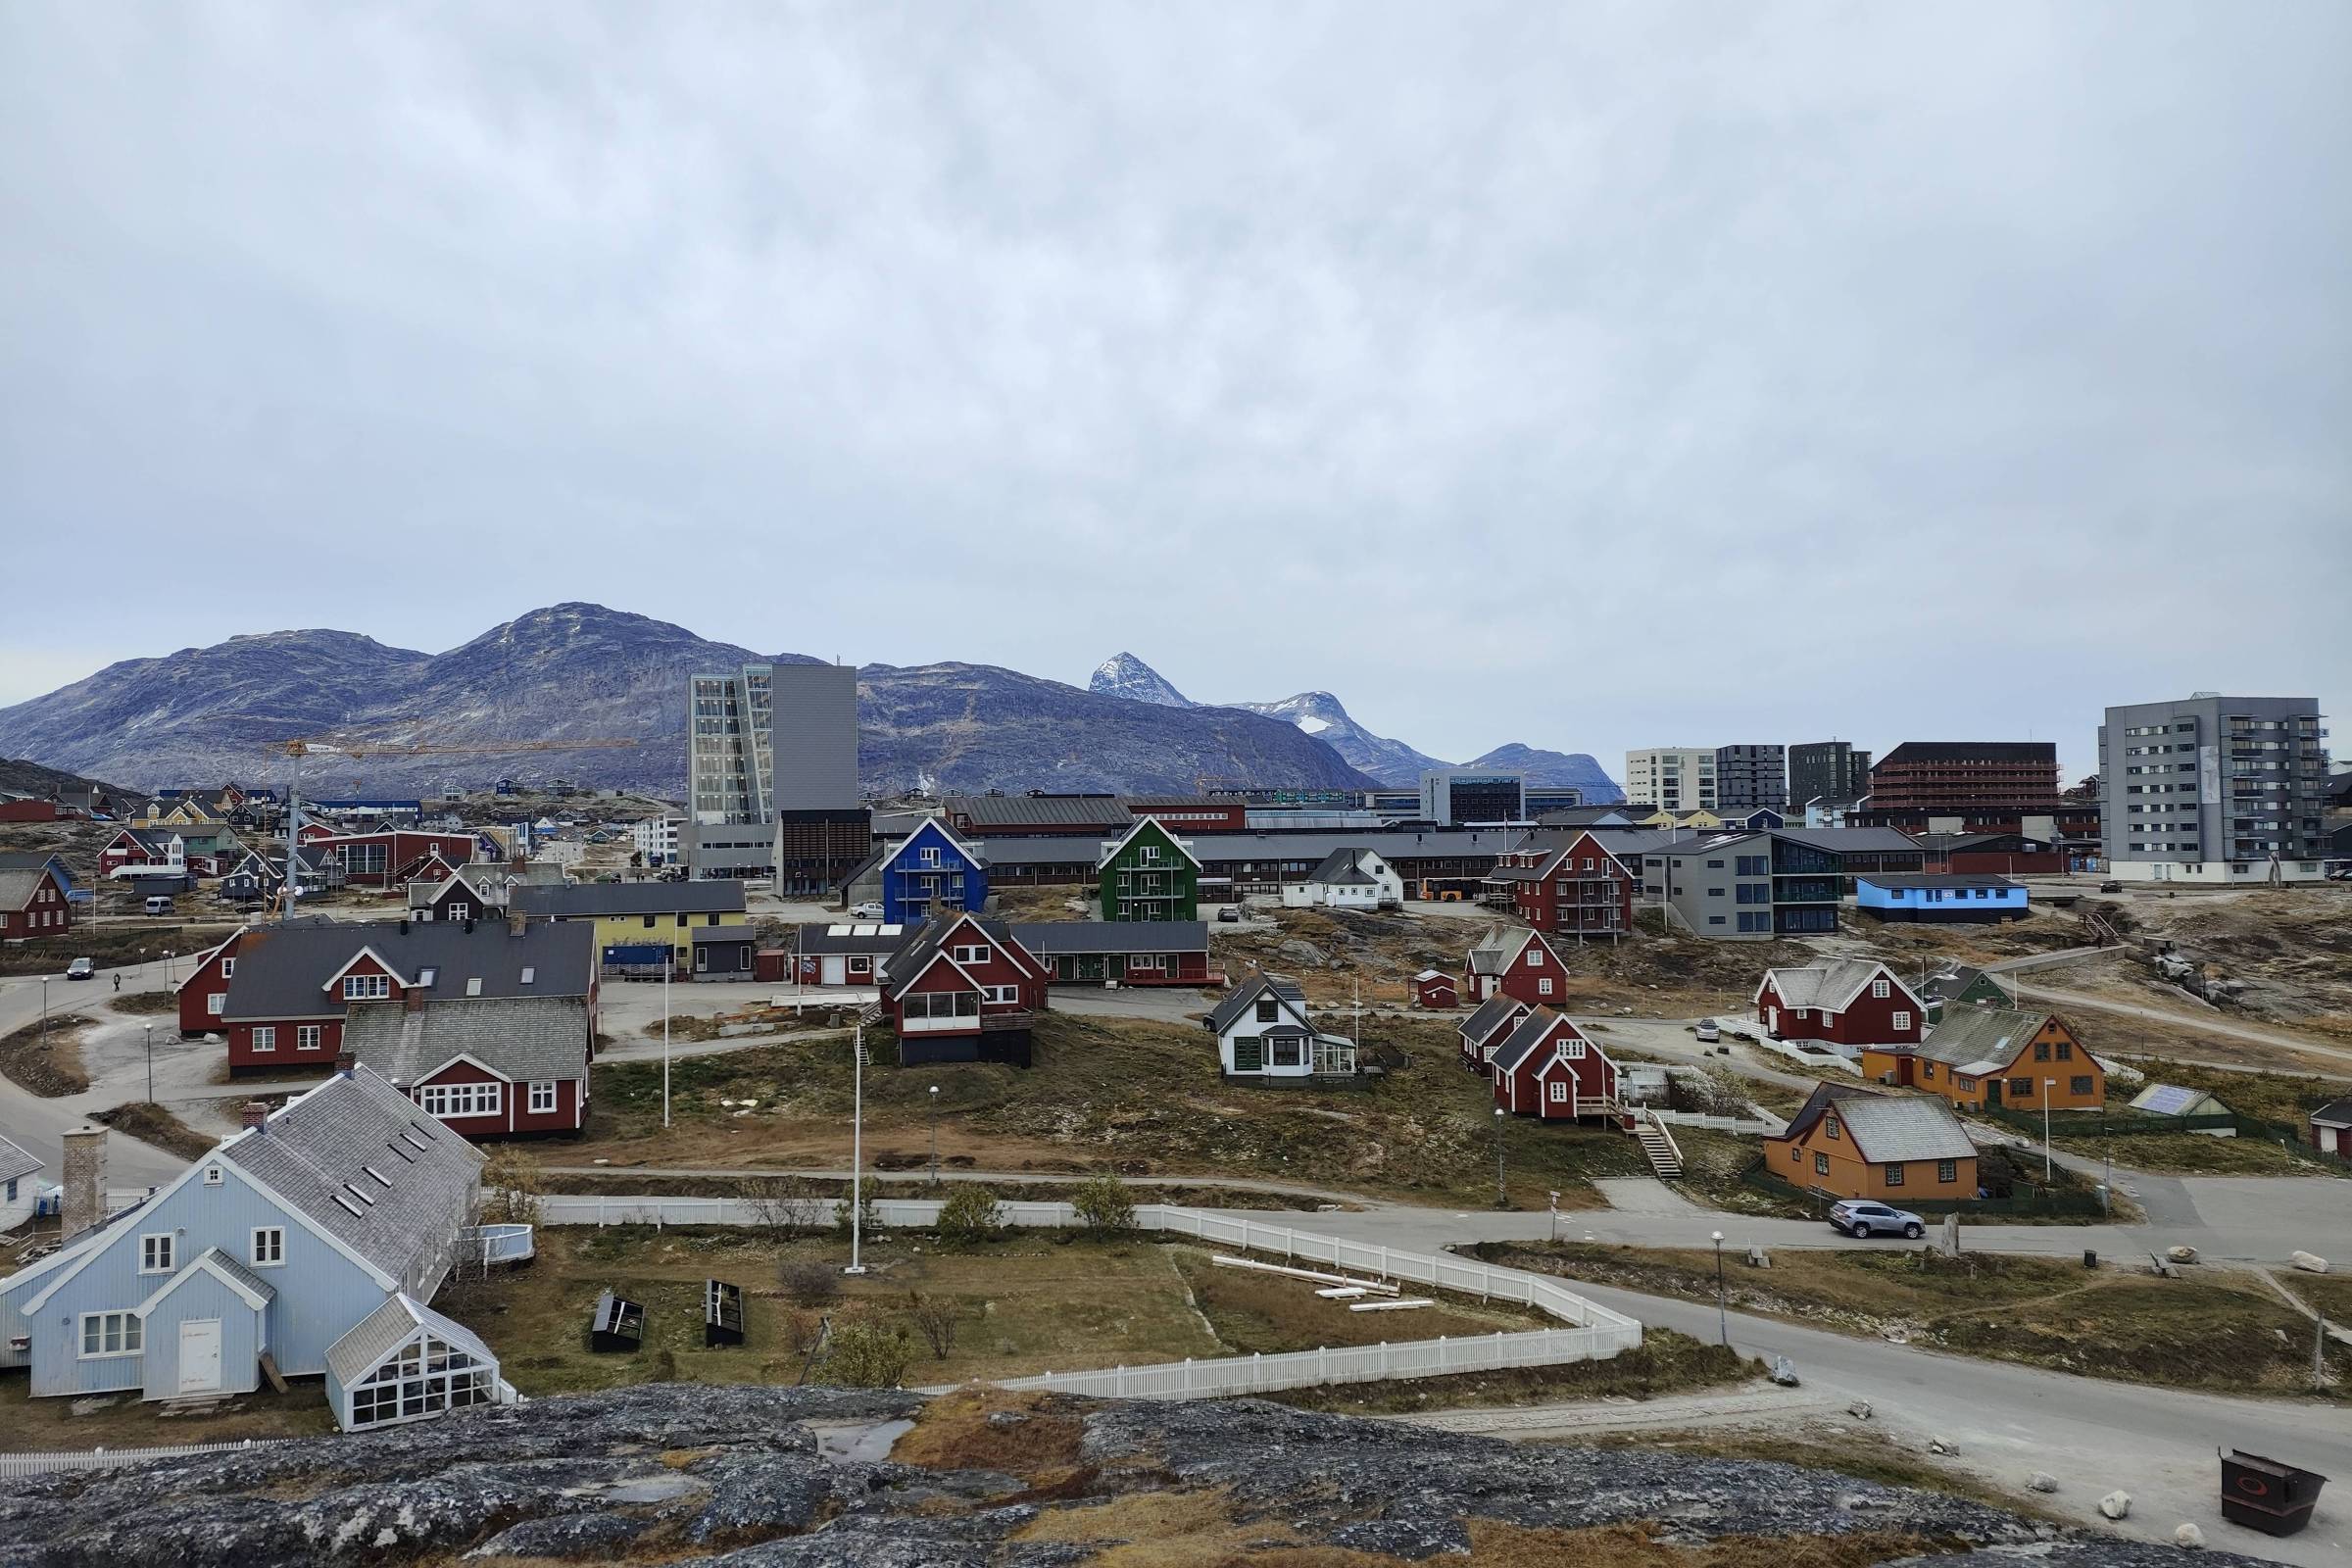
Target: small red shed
<point x="1434" y="988"/>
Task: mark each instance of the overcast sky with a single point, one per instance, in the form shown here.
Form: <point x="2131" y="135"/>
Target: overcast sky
<point x="1586" y="375"/>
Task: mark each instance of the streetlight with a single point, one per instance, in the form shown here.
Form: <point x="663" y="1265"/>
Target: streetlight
<point x="1556" y="1217"/>
<point x="935" y="1135"/>
<point x="149" y="1030"/>
<point x="2049" y="1087"/>
<point x="1723" y="1322"/>
<point x="1502" y="1197"/>
<point x="669" y="962"/>
<point x="44" y="1013"/>
<point x="856" y="1146"/>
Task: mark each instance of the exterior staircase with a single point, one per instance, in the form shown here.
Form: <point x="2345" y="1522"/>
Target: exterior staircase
<point x="1665" y="1155"/>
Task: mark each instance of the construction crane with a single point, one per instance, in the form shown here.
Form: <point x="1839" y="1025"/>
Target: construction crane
<point x="296" y="750"/>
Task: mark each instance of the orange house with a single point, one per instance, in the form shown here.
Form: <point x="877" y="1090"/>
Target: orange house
<point x="1849" y="1142"/>
<point x="1997" y="1056"/>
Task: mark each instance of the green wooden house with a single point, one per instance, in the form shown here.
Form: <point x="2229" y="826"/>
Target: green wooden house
<point x="1150" y="874"/>
<point x="1957" y="988"/>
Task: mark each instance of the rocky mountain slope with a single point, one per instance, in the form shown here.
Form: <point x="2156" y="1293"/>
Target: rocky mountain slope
<point x="1125" y="676"/>
<point x="740" y="1476"/>
<point x="1320" y="715"/>
<point x="576" y="671"/>
<point x="23" y="776"/>
<point x="1555" y="770"/>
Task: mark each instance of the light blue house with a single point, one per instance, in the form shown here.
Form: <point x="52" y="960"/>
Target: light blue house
<point x="1953" y="900"/>
<point x="932" y="871"/>
<point x="299" y="1246"/>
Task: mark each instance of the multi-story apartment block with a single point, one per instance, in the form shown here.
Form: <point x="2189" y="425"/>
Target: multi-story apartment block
<point x="727" y="755"/>
<point x="1826" y="771"/>
<point x="1454" y="796"/>
<point x="1750" y="778"/>
<point x="1970" y="780"/>
<point x="656" y="839"/>
<point x="2214" y="789"/>
<point x="1673" y="778"/>
<point x="812" y="726"/>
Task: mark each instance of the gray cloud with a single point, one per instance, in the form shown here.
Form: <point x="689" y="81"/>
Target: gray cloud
<point x="1588" y="376"/>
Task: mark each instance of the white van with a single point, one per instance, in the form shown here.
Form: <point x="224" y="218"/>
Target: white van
<point x="159" y="903"/>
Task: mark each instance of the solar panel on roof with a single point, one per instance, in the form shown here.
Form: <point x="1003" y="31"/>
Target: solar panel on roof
<point x="837" y="930"/>
<point x="2168" y="1099"/>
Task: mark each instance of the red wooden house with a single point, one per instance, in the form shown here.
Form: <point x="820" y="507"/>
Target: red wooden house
<point x="962" y="989"/>
<point x="1578" y="889"/>
<point x="1551" y="1068"/>
<point x="489" y="1067"/>
<point x="154" y="847"/>
<point x="203" y="991"/>
<point x="387" y="858"/>
<point x="1517" y="963"/>
<point x="1848" y="1001"/>
<point x="1489" y="1027"/>
<point x="1435" y="987"/>
<point x="34" y="904"/>
<point x="294" y="984"/>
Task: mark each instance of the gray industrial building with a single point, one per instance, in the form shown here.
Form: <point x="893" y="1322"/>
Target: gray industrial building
<point x="1455" y="796"/>
<point x="1750" y="778"/>
<point x="1826" y="771"/>
<point x="813" y="734"/>
<point x="2214" y="790"/>
<point x="727" y="759"/>
<point x="771" y="756"/>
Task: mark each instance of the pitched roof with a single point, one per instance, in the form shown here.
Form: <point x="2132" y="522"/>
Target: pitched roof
<point x="1280" y="987"/>
<point x="1154" y="827"/>
<point x="1113" y="936"/>
<point x="2334" y="1113"/>
<point x="1533" y="1031"/>
<point x="367" y="1341"/>
<point x="256" y="1292"/>
<point x="14" y="1162"/>
<point x="322" y="1153"/>
<point x="580" y="900"/>
<point x="282" y="969"/>
<point x="1887" y="1128"/>
<point x="1831" y="986"/>
<point x="1952" y="980"/>
<point x="17" y="888"/>
<point x="1490" y="1016"/>
<point x="985" y="812"/>
<point x="1342" y="869"/>
<point x="522" y="1039"/>
<point x="933" y="827"/>
<point x="873" y="937"/>
<point x="907" y="964"/>
<point x="1988" y="1036"/>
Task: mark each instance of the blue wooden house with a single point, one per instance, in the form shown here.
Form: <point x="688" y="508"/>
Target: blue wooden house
<point x="299" y="1246"/>
<point x="932" y="871"/>
<point x="1939" y="899"/>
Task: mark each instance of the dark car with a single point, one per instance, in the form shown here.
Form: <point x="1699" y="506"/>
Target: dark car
<point x="1230" y="916"/>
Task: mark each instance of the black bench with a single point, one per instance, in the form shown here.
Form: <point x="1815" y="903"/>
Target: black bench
<point x="722" y="1313"/>
<point x="618" y="1324"/>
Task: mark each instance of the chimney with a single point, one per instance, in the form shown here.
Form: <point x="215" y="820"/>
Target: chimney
<point x="84" y="1202"/>
<point x="515" y="923"/>
<point x="256" y="1114"/>
<point x="345" y="1060"/>
<point x="412" y="999"/>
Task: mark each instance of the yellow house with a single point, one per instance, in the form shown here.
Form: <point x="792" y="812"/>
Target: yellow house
<point x="1700" y="817"/>
<point x="636" y="914"/>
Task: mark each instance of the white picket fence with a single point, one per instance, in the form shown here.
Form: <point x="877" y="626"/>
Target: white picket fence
<point x="13" y="1465"/>
<point x="1809" y="1059"/>
<point x="1597" y="1334"/>
<point x="1720" y="1124"/>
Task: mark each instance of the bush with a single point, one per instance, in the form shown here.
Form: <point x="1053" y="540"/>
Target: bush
<point x="866" y="1356"/>
<point x="808" y="1284"/>
<point x="1104" y="1203"/>
<point x="790" y="1205"/>
<point x="512" y="1183"/>
<point x="935" y="1320"/>
<point x="969" y="1216"/>
<point x="866" y="1220"/>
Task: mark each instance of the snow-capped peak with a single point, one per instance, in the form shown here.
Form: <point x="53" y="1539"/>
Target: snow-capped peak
<point x="1125" y="676"/>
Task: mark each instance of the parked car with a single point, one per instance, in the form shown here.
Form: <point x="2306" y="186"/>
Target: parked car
<point x="1859" y="1216"/>
<point x="80" y="969"/>
<point x="868" y="910"/>
<point x="159" y="903"/>
<point x="1229" y="915"/>
<point x="1708" y="1031"/>
<point x="2111" y="887"/>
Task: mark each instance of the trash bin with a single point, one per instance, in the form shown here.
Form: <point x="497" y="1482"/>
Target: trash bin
<point x="2268" y="1494"/>
<point x="2090" y="1259"/>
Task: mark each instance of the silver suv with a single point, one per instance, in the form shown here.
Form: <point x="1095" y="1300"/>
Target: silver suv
<point x="1859" y="1216"/>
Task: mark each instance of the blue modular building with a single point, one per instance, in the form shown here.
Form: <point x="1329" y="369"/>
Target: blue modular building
<point x="932" y="871"/>
<point x="1951" y="899"/>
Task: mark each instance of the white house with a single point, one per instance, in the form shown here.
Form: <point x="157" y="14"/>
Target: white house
<point x="1263" y="1032"/>
<point x="656" y="839"/>
<point x="20" y="1186"/>
<point x="1346" y="879"/>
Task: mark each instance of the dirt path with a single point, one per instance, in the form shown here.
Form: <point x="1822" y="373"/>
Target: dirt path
<point x="2203" y="1022"/>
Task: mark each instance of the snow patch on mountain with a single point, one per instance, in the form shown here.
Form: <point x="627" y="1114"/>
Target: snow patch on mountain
<point x="1123" y="674"/>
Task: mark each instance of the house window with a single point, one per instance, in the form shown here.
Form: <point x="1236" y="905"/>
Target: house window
<point x="366" y="987"/>
<point x="649" y="921"/>
<point x="2078" y="1086"/>
<point x="110" y="1333"/>
<point x="2041" y="1051"/>
<point x="229" y="968"/>
<point x="1533" y="957"/>
<point x="1894" y="1175"/>
<point x="1926" y="1071"/>
<point x="1543" y="987"/>
<point x="1804" y="1013"/>
<point x="1830" y="1125"/>
<point x="1267" y="1010"/>
<point x="543" y="1099"/>
<point x="1001" y="995"/>
<point x="425" y="1378"/>
<point x="269" y="1245"/>
<point x="971" y="954"/>
<point x="154" y="1252"/>
<point x="1902" y="1020"/>
<point x="211" y="1175"/>
<point x="216" y="1004"/>
<point x="1151" y="851"/>
<point x="447" y="1100"/>
<point x="1290" y="1052"/>
<point x="928" y="855"/>
<point x="1559" y="1094"/>
<point x="2066" y="1051"/>
<point x="310" y="1036"/>
<point x="459" y="909"/>
<point x="1878" y="987"/>
<point x="2020" y="1089"/>
<point x="1820" y="1164"/>
<point x="1947" y="1171"/>
<point x="1572" y="1050"/>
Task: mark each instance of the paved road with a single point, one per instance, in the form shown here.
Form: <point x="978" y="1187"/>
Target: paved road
<point x="2209" y="1023"/>
<point x="37" y="1125"/>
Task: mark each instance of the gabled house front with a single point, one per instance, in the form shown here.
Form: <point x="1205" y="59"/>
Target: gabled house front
<point x="1264" y="1033"/>
<point x="1579" y="888"/>
<point x="1852" y="1142"/>
<point x="1489" y="1027"/>
<point x="33" y="904"/>
<point x="139" y="854"/>
<point x="486" y="1067"/>
<point x="932" y="871"/>
<point x="1148" y="873"/>
<point x="1997" y="1056"/>
<point x="1846" y="1001"/>
<point x="962" y="989"/>
<point x="263" y="1259"/>
<point x="1549" y="1067"/>
<point x="1348" y="878"/>
<point x="1517" y="963"/>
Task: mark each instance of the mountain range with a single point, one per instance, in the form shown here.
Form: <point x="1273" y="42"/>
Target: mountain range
<point x="575" y="672"/>
<point x="1392" y="762"/>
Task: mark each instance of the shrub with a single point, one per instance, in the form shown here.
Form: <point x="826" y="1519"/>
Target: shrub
<point x="808" y="1284"/>
<point x="933" y="1320"/>
<point x="970" y="1215"/>
<point x="866" y="1220"/>
<point x="512" y="1183"/>
<point x="866" y="1356"/>
<point x="790" y="1205"/>
<point x="1104" y="1203"/>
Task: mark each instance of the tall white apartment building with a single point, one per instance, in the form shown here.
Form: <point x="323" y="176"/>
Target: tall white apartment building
<point x="1673" y="778"/>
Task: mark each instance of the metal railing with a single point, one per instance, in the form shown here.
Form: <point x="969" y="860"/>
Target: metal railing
<point x="498" y="1244"/>
<point x="1597" y="1332"/>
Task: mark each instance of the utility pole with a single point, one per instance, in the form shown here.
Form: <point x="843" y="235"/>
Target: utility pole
<point x="856" y="1147"/>
<point x="1723" y="1321"/>
<point x="934" y="1097"/>
<point x="668" y="958"/>
<point x="1502" y="1196"/>
<point x="149" y="1029"/>
<point x="2049" y="1086"/>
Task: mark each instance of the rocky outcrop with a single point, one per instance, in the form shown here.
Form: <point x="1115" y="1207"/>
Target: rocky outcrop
<point x="736" y="1476"/>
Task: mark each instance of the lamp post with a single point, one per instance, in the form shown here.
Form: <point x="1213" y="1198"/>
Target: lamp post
<point x="856" y="1147"/>
<point x="2049" y="1086"/>
<point x="1502" y="1196"/>
<point x="669" y="962"/>
<point x="1723" y="1321"/>
<point x="934" y="1135"/>
<point x="149" y="1030"/>
<point x="1556" y="1217"/>
<point x="44" y="1011"/>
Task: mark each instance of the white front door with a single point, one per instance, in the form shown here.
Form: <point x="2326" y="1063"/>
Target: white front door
<point x="200" y="1356"/>
<point x="836" y="971"/>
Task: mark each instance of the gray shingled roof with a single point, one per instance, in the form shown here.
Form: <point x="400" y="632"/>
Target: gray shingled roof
<point x="1048" y="938"/>
<point x="1488" y="1017"/>
<point x="1829" y="985"/>
<point x="1342" y="867"/>
<point x="317" y="1150"/>
<point x="282" y="969"/>
<point x="2334" y="1113"/>
<point x="1531" y="1033"/>
<point x="365" y="1345"/>
<point x="1980" y="1035"/>
<point x="1887" y="1128"/>
<point x="1250" y="990"/>
<point x="580" y="900"/>
<point x="524" y="1039"/>
<point x="17" y="887"/>
<point x="14" y="1162"/>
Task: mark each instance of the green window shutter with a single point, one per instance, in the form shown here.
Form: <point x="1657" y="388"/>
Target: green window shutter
<point x="1249" y="1056"/>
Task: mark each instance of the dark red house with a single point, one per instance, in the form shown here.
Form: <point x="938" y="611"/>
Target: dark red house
<point x="1849" y="1002"/>
<point x="1551" y="1068"/>
<point x="294" y="984"/>
<point x="33" y="904"/>
<point x="1435" y="987"/>
<point x="1489" y="1027"/>
<point x="1992" y="854"/>
<point x="140" y="847"/>
<point x="203" y="991"/>
<point x="1517" y="963"/>
<point x="28" y="810"/>
<point x="489" y="1067"/>
<point x="389" y="857"/>
<point x="1578" y="889"/>
<point x="964" y="989"/>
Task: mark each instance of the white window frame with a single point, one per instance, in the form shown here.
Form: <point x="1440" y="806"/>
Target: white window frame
<point x="1543" y="987"/>
<point x="229" y="968"/>
<point x="451" y="1101"/>
<point x="270" y="1256"/>
<point x="216" y="1004"/>
<point x="128" y="1336"/>
<point x="367" y="987"/>
<point x="1879" y="988"/>
<point x="309" y="1037"/>
<point x="1902" y="1020"/>
<point x="1000" y="993"/>
<point x="154" y="1244"/>
<point x="1559" y="1094"/>
<point x="264" y="1038"/>
<point x="969" y="953"/>
<point x="543" y="1097"/>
